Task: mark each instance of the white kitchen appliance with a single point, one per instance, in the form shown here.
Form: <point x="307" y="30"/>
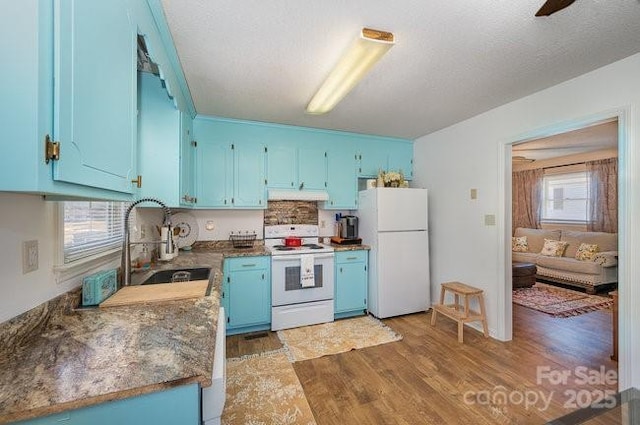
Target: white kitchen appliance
<point x="393" y="221"/>
<point x="302" y="277"/>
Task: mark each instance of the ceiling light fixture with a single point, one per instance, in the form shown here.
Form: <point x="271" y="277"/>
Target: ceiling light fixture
<point x="370" y="46"/>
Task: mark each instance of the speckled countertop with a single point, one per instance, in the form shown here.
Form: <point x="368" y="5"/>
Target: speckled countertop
<point x="338" y="248"/>
<point x="56" y="358"/>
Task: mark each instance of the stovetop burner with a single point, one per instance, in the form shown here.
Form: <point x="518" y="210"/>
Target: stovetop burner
<point x="312" y="246"/>
<point x="283" y="248"/>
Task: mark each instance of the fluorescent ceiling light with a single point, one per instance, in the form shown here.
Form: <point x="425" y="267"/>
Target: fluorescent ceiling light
<point x="352" y="67"/>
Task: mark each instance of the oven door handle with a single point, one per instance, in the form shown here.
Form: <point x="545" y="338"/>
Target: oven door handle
<point x="297" y="257"/>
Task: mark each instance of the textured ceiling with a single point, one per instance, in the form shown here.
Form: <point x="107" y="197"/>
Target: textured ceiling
<point x="263" y="60"/>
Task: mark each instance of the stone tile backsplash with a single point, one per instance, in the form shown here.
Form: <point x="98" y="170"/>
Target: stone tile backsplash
<point x="291" y="212"/>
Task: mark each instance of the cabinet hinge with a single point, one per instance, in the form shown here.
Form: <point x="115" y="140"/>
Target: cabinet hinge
<point x="233" y="201"/>
<point x="223" y="295"/>
<point x="265" y="149"/>
<point x="227" y="320"/>
<point x="325" y="184"/>
<point x="325" y="154"/>
<point x="262" y="276"/>
<point x="265" y="182"/>
<point x="232" y="146"/>
<point x="228" y="279"/>
<point x="356" y="157"/>
<point x="359" y="170"/>
<point x="365" y="268"/>
<point x="195" y="200"/>
<point x="51" y="150"/>
<point x="194" y="143"/>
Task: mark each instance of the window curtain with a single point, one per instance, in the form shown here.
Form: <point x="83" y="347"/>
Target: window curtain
<point x="603" y="195"/>
<point x="527" y="193"/>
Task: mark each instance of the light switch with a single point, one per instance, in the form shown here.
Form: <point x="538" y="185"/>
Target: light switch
<point x="490" y="220"/>
<point x="474" y="193"/>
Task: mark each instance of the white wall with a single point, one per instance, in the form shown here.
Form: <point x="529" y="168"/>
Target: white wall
<point x="472" y="154"/>
<point x="26" y="217"/>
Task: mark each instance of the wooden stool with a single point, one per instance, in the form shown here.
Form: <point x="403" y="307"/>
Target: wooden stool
<point x="461" y="312"/>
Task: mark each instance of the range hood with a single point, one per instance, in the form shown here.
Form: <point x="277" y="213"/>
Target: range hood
<point x="297" y="195"/>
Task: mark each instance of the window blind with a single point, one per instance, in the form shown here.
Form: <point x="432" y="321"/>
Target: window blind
<point x="91" y="228"/>
<point x="565" y="197"/>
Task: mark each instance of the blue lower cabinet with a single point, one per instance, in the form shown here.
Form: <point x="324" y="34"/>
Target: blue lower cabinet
<point x="179" y="405"/>
<point x="350" y="298"/>
<point x="246" y="294"/>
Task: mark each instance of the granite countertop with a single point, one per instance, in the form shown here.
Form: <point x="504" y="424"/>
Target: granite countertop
<point x="56" y="357"/>
<point x="338" y="248"/>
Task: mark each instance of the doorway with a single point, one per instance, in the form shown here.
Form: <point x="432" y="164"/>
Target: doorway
<point x="563" y="160"/>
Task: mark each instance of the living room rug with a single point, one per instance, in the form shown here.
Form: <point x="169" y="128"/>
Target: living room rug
<point x="264" y="389"/>
<point x="559" y="302"/>
<point x="314" y="341"/>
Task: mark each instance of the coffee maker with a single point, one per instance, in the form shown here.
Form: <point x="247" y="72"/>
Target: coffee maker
<point x="349" y="227"/>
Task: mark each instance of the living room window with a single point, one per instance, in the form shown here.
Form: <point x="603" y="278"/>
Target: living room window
<point x="565" y="197"/>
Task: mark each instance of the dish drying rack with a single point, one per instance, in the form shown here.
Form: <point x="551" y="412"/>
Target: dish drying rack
<point x="242" y="240"/>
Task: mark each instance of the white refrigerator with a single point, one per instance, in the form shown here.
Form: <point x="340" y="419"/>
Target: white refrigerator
<point x="393" y="221"/>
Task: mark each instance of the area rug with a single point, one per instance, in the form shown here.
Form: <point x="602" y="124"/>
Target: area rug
<point x="310" y="342"/>
<point x="264" y="389"/>
<point x="559" y="302"/>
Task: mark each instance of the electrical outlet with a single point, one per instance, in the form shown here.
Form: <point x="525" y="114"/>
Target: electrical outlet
<point x="210" y="225"/>
<point x="474" y="194"/>
<point x="29" y="256"/>
<point x="490" y="220"/>
<point x="323" y="224"/>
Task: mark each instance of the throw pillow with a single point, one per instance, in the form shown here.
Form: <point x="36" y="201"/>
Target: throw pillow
<point x="553" y="248"/>
<point x="586" y="252"/>
<point x="519" y="244"/>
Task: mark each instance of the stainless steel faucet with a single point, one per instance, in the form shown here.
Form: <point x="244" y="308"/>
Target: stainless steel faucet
<point x="126" y="244"/>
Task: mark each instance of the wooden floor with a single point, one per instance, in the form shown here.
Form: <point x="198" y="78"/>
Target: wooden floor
<point x="429" y="378"/>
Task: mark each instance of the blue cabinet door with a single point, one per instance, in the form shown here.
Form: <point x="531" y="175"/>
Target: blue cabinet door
<point x="95" y="94"/>
<point x="372" y="159"/>
<point x="214" y="174"/>
<point x="249" y="175"/>
<point x="312" y="168"/>
<point x="158" y="141"/>
<point x="187" y="161"/>
<point x="179" y="405"/>
<point x="401" y="159"/>
<point x="342" y="182"/>
<point x="281" y="166"/>
<point x="350" y="283"/>
<point x="249" y="291"/>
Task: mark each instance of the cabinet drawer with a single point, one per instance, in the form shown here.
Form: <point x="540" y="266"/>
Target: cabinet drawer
<point x="246" y="263"/>
<point x="351" y="257"/>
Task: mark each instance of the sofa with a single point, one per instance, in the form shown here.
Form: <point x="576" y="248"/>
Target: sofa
<point x="588" y="260"/>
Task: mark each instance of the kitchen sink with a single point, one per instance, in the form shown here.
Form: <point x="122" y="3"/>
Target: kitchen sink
<point x="178" y="275"/>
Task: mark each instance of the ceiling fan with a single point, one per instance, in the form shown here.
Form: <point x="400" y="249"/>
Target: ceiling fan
<point x="552" y="6"/>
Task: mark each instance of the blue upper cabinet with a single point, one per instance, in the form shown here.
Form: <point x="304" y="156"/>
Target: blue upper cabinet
<point x="312" y="167"/>
<point x="373" y="158"/>
<point x="95" y="93"/>
<point x="249" y="175"/>
<point x="401" y="159"/>
<point x="230" y="170"/>
<point x="158" y="141"/>
<point x="377" y="154"/>
<point x="72" y="78"/>
<point x="342" y="182"/>
<point x="214" y="174"/>
<point x="282" y="166"/>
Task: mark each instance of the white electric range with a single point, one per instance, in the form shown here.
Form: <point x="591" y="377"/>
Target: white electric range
<point x="302" y="278"/>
